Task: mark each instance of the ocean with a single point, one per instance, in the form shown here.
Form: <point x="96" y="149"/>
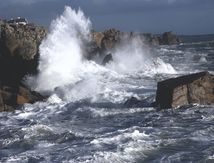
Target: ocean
<point x="85" y="120"/>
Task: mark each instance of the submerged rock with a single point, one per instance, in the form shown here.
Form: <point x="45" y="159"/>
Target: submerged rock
<point x="184" y="90"/>
<point x="134" y="102"/>
<point x="108" y="58"/>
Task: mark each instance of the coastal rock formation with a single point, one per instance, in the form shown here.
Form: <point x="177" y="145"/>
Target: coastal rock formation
<point x="97" y="37"/>
<point x="168" y="38"/>
<point x="11" y="97"/>
<point x="108" y="58"/>
<point x="108" y="39"/>
<point x="18" y="57"/>
<point x="151" y="39"/>
<point x="21" y="40"/>
<point x="134" y="102"/>
<point x="184" y="90"/>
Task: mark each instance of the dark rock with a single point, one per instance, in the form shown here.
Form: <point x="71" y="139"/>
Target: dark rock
<point x="97" y="37"/>
<point x="151" y="39"/>
<point x="11" y="97"/>
<point x="110" y="39"/>
<point x="184" y="90"/>
<point x="134" y="102"/>
<point x="168" y="38"/>
<point x="18" y="57"/>
<point x="19" y="51"/>
<point x="108" y="58"/>
<point x="21" y="40"/>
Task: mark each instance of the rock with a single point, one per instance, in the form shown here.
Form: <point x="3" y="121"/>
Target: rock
<point x="184" y="90"/>
<point x="97" y="37"/>
<point x="103" y="42"/>
<point x="168" y="38"/>
<point x="19" y="51"/>
<point x="11" y="97"/>
<point x="150" y="39"/>
<point x="18" y="57"/>
<point x="110" y="39"/>
<point x="21" y="40"/>
<point x="108" y="58"/>
<point x="134" y="102"/>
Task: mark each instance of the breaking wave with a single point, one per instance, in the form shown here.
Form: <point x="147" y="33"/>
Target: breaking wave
<point x="63" y="69"/>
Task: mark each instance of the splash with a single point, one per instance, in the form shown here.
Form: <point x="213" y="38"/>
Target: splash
<point x="64" y="72"/>
<point x="134" y="56"/>
<point x="61" y="54"/>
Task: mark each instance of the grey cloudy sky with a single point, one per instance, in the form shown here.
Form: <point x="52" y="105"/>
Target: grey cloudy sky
<point x="156" y="16"/>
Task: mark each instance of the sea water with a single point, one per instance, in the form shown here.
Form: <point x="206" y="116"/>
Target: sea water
<point x="84" y="119"/>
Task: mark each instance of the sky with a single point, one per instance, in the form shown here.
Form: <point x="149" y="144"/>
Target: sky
<point x="154" y="16"/>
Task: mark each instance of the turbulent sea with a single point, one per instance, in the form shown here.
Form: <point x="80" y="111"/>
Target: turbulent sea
<point x="85" y="121"/>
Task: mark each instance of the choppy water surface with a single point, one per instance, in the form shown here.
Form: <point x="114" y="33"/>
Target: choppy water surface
<point x="85" y="120"/>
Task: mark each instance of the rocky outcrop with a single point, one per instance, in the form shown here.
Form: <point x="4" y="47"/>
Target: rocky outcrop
<point x="151" y="39"/>
<point x="18" y="57"/>
<point x="168" y="38"/>
<point x="135" y="102"/>
<point x="21" y="40"/>
<point x="97" y="37"/>
<point x="11" y="97"/>
<point x="102" y="43"/>
<point x="108" y="39"/>
<point x="108" y="58"/>
<point x="184" y="90"/>
<point x="111" y="38"/>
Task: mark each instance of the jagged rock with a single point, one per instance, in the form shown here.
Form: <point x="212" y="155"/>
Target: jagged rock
<point x="18" y="58"/>
<point x="110" y="39"/>
<point x="97" y="37"/>
<point x="194" y="88"/>
<point x="150" y="39"/>
<point x="168" y="38"/>
<point x="134" y="102"/>
<point x="21" y="40"/>
<point x="11" y="97"/>
<point x="108" y="58"/>
<point x="19" y="50"/>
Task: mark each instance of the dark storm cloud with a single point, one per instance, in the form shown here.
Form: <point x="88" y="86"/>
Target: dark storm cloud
<point x="181" y="16"/>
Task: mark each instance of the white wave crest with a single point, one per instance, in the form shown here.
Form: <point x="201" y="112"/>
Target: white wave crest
<point x="61" y="52"/>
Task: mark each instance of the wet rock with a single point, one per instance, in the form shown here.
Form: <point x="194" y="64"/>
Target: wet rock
<point x="110" y="39"/>
<point x="21" y="40"/>
<point x="151" y="39"/>
<point x="184" y="90"/>
<point x="108" y="58"/>
<point x="11" y="97"/>
<point x="168" y="38"/>
<point x="134" y="102"/>
<point x="97" y="37"/>
<point x="18" y="57"/>
<point x="19" y="51"/>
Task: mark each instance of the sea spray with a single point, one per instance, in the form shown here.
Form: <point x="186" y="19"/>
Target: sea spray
<point x="61" y="53"/>
<point x="133" y="55"/>
<point x="64" y="72"/>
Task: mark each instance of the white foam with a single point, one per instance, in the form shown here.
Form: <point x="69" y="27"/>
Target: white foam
<point x="103" y="112"/>
<point x="134" y="56"/>
<point x="65" y="74"/>
<point x="131" y="145"/>
<point x="37" y="130"/>
<point x="61" y="52"/>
